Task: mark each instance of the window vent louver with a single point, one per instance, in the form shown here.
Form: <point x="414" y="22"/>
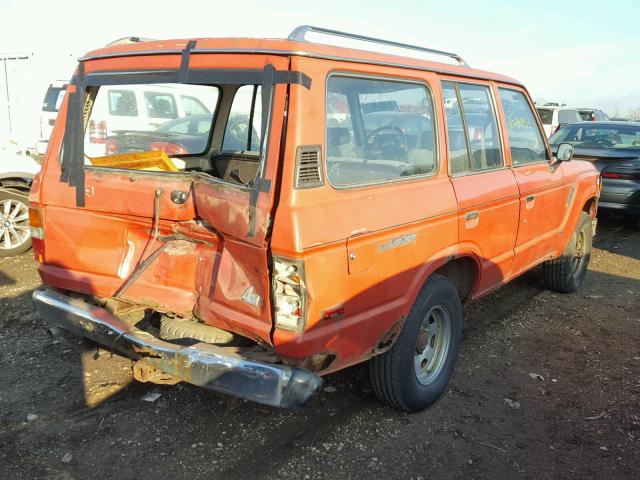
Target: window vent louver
<point x="308" y="167"/>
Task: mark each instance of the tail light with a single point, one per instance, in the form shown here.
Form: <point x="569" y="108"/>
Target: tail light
<point x="36" y="225"/>
<point x="97" y="131"/>
<point x="593" y="116"/>
<point x="289" y="294"/>
<point x="112" y="146"/>
<point x="627" y="170"/>
<point x="477" y="134"/>
<point x="170" y="148"/>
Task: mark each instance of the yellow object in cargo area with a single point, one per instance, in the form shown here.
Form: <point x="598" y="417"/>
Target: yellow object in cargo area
<point x="156" y="160"/>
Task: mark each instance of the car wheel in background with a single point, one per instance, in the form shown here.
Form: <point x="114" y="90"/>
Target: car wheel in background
<point x="15" y="236"/>
<point x="566" y="273"/>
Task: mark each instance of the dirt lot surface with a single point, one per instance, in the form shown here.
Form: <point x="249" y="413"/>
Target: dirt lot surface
<point x="548" y="386"/>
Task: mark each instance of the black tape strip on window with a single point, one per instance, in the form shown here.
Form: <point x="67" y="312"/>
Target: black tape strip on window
<point x="73" y="143"/>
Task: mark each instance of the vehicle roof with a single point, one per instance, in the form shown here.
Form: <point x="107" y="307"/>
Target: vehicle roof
<point x="549" y="107"/>
<point x="607" y="123"/>
<point x="290" y="48"/>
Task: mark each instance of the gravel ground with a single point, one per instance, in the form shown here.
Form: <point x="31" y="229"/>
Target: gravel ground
<point x="548" y="386"/>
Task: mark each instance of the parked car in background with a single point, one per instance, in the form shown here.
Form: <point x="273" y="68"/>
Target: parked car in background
<point x="555" y="117"/>
<point x="614" y="148"/>
<point x="50" y="106"/>
<point x="263" y="263"/>
<point x="592" y="115"/>
<point x="16" y="174"/>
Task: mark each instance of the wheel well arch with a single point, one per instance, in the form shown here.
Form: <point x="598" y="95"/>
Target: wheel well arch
<point x="463" y="272"/>
<point x="590" y="207"/>
<point x="16" y="181"/>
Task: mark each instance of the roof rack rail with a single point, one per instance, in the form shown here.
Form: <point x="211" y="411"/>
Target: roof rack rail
<point x="128" y="40"/>
<point x="299" y="33"/>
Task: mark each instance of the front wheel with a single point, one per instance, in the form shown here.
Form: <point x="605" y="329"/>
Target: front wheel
<point x="414" y="373"/>
<point x="15" y="235"/>
<point x="566" y="273"/>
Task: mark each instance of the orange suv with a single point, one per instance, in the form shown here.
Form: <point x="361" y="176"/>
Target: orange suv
<point x="335" y="206"/>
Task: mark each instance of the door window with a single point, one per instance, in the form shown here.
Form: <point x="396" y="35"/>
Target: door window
<point x="472" y="129"/>
<point x="525" y="139"/>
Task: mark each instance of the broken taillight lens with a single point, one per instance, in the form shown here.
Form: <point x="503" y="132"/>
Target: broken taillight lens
<point x="289" y="294"/>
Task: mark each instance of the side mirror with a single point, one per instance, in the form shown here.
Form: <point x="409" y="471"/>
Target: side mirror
<point x="565" y="152"/>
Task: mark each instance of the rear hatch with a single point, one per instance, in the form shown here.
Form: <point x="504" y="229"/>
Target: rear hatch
<point x="173" y="226"/>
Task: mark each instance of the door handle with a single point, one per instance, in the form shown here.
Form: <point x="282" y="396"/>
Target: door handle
<point x="530" y="198"/>
<point x="471" y="215"/>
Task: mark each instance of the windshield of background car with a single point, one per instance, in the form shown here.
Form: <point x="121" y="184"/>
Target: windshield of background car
<point x="599" y="136"/>
<point x="53" y="99"/>
<point x="130" y="119"/>
<point x="546" y="115"/>
<point x="378" y="130"/>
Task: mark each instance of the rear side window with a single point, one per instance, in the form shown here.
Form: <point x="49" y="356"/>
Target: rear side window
<point x="546" y="115"/>
<point x="472" y="130"/>
<point x="242" y="132"/>
<point x="123" y="103"/>
<point x="161" y="105"/>
<point x="525" y="139"/>
<point x="378" y="131"/>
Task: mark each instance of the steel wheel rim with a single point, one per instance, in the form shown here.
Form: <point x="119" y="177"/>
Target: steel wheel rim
<point x="432" y="345"/>
<point x="14" y="224"/>
<point x="578" y="258"/>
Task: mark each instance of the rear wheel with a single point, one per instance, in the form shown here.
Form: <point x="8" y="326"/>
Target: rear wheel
<point x="414" y="373"/>
<point x="566" y="273"/>
<point x="15" y="235"/>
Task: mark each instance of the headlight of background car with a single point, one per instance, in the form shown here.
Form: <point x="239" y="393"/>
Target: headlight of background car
<point x="289" y="294"/>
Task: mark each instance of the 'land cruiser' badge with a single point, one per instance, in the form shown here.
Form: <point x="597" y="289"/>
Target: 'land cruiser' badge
<point x="397" y="242"/>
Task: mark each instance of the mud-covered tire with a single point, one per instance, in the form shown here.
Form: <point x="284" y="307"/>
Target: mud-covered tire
<point x="20" y="242"/>
<point x="395" y="375"/>
<point x="566" y="273"/>
<point x="174" y="329"/>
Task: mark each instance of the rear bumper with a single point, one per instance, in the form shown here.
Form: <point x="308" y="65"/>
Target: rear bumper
<point x="202" y="364"/>
<point x="620" y="195"/>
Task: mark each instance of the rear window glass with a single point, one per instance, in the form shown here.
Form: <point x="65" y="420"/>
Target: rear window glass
<point x="599" y="136"/>
<point x="377" y="131"/>
<point x="53" y="99"/>
<point x="568" y="116"/>
<point x="546" y="115"/>
<point x="117" y="127"/>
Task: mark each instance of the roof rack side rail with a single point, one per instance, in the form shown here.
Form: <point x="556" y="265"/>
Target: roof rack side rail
<point x="299" y="33"/>
<point x="128" y="40"/>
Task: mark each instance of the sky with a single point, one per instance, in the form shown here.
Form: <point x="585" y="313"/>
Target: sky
<point x="583" y="53"/>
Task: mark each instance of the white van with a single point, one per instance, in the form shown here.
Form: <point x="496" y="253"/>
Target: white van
<point x="143" y="108"/>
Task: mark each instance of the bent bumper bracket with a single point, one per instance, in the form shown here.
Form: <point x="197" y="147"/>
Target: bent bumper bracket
<point x="202" y="364"/>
